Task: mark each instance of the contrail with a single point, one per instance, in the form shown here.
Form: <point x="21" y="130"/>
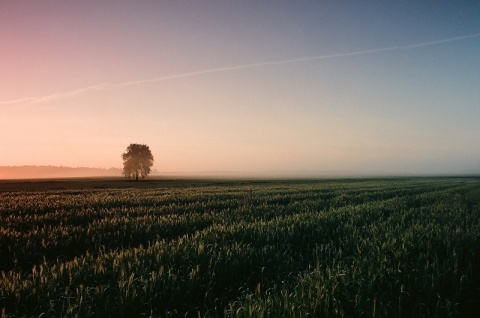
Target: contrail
<point x="113" y="86"/>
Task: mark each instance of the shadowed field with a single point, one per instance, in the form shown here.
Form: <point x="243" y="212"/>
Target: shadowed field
<point x="240" y="248"/>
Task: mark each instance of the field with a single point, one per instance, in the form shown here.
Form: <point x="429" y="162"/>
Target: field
<point x="405" y="247"/>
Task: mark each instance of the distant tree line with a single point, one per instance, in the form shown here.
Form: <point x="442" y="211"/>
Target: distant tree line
<point x="40" y="172"/>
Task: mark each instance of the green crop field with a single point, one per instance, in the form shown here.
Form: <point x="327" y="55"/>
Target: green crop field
<point x="406" y="247"/>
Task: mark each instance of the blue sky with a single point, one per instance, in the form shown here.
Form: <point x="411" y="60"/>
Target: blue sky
<point x="198" y="82"/>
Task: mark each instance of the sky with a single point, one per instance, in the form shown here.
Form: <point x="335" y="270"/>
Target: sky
<point x="251" y="88"/>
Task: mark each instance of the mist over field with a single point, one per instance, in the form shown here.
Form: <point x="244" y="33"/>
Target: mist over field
<point x="43" y="172"/>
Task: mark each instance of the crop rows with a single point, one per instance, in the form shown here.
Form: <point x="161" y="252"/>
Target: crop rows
<point x="361" y="248"/>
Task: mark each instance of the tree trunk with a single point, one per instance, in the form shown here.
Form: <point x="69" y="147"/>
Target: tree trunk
<point x="136" y="175"/>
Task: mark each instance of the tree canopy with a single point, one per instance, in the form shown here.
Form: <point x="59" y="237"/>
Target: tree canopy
<point x="137" y="161"/>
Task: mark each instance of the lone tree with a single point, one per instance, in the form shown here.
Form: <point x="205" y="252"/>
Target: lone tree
<point x="137" y="161"/>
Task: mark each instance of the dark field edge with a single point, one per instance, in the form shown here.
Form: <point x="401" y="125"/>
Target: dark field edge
<point x="27" y="185"/>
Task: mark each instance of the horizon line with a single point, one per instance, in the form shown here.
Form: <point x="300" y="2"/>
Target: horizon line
<point x="255" y="174"/>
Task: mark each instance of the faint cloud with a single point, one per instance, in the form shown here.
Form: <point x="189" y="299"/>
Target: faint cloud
<point x="114" y="86"/>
